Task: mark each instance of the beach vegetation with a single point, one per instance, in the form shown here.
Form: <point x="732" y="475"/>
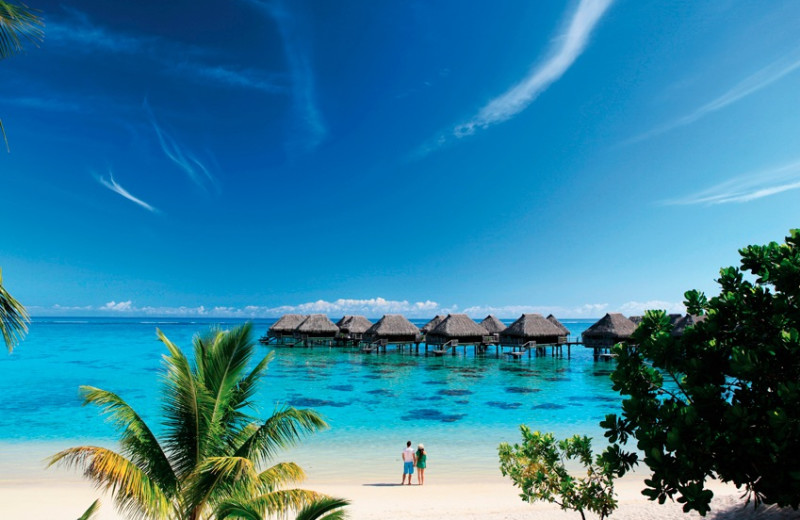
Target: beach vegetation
<point x="539" y="467"/>
<point x="212" y="459"/>
<point x="722" y="401"/>
<point x="14" y="318"/>
<point x="18" y="25"/>
<point x="91" y="512"/>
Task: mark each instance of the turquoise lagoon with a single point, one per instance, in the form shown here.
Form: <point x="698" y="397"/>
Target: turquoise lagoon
<point x="460" y="406"/>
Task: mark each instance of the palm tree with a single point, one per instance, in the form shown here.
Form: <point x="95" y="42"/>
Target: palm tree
<point x="211" y="452"/>
<point x="18" y="25"/>
<point x="13" y="317"/>
<point x="91" y="512"/>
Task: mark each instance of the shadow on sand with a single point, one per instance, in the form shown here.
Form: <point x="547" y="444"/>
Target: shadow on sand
<point x="384" y="484"/>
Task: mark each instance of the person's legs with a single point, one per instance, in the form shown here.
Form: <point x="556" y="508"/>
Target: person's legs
<point x="421" y="476"/>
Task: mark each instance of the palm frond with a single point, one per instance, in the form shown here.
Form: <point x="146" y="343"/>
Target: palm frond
<point x="281" y="430"/>
<point x="18" y="25"/>
<point x="185" y="407"/>
<point x="5" y="137"/>
<point x="324" y="508"/>
<point x="134" y="492"/>
<point x="90" y="512"/>
<point x="281" y="475"/>
<point x="248" y="386"/>
<point x="13" y="316"/>
<point x="224" y="364"/>
<point x="265" y="505"/>
<point x="138" y="442"/>
<point x="220" y="476"/>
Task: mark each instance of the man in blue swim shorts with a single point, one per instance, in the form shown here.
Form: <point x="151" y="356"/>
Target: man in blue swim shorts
<point x="409" y="459"/>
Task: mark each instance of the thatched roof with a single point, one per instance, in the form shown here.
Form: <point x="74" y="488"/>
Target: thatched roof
<point x="354" y="324"/>
<point x="636" y="319"/>
<point x="531" y="326"/>
<point x="432" y="324"/>
<point x="493" y="325"/>
<point x="317" y="324"/>
<point x="685" y="322"/>
<point x="552" y="319"/>
<point x="392" y="325"/>
<point x="612" y="326"/>
<point x="287" y="323"/>
<point x="457" y="326"/>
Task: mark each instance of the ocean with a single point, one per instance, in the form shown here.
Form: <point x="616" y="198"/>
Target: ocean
<point x="460" y="406"/>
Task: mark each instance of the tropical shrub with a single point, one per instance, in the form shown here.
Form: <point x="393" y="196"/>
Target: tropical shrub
<point x="723" y="400"/>
<point x="538" y="468"/>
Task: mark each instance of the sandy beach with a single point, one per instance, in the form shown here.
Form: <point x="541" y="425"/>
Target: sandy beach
<point x="494" y="500"/>
<point x="29" y="491"/>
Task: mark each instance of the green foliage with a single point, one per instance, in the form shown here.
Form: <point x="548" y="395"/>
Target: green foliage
<point x="91" y="512"/>
<point x="18" y="25"/>
<point x="209" y="460"/>
<point x="539" y="468"/>
<point x="723" y="400"/>
<point x="13" y="318"/>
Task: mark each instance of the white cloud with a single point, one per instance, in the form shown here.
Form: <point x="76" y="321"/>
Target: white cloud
<point x="116" y="188"/>
<point x="638" y="308"/>
<point x="78" y="33"/>
<point x="372" y="308"/>
<point x="748" y="187"/>
<point x="751" y="84"/>
<point x="562" y="55"/>
<point x="185" y="160"/>
<point x="117" y="306"/>
<point x="298" y="58"/>
<point x="589" y="310"/>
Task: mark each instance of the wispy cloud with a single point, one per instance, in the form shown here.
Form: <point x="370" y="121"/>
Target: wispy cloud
<point x="562" y="55"/>
<point x="112" y="185"/>
<point x="79" y="34"/>
<point x="298" y="58"/>
<point x="371" y="307"/>
<point x="748" y="187"/>
<point x="512" y="311"/>
<point x="42" y="103"/>
<point x="185" y="160"/>
<point x="751" y="84"/>
<point x="248" y="78"/>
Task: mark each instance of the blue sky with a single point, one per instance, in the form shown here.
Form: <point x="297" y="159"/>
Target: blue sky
<point x="179" y="158"/>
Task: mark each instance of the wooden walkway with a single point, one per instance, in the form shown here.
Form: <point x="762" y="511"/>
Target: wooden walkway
<point x="452" y="347"/>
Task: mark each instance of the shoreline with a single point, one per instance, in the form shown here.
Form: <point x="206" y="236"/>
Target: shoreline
<point x="28" y="490"/>
<point x="495" y="499"/>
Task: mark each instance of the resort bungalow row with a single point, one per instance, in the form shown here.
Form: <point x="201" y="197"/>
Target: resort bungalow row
<point x="530" y="332"/>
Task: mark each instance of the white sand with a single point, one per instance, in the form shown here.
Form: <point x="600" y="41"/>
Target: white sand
<point x="66" y="496"/>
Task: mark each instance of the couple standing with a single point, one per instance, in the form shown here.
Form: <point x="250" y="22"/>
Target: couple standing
<point x="411" y="459"/>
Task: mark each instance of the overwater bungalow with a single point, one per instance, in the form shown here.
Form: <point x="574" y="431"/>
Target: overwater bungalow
<point x="352" y="328"/>
<point x="532" y="327"/>
<point x="316" y="328"/>
<point x="493" y="325"/>
<point x="283" y="329"/>
<point x="552" y="319"/>
<point x="458" y="329"/>
<point x="392" y="329"/>
<point x="609" y="330"/>
<point x="685" y="322"/>
<point x="432" y="324"/>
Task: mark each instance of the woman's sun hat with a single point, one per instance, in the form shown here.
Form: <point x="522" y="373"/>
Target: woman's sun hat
<point x="421" y="447"/>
